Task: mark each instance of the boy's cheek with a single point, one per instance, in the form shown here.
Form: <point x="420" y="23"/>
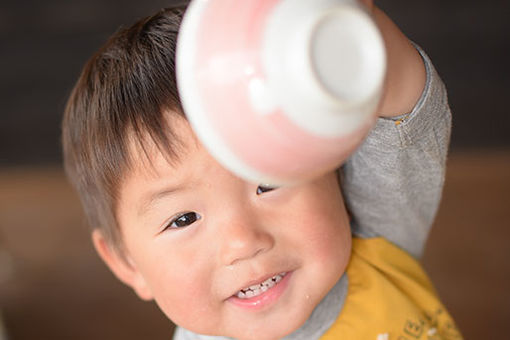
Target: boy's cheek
<point x="324" y="230"/>
<point x="189" y="311"/>
<point x="330" y="247"/>
<point x="184" y="295"/>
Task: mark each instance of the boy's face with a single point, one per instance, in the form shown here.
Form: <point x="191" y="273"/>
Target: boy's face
<point x="195" y="235"/>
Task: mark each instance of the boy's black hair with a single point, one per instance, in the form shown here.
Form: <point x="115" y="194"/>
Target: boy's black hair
<point x="122" y="96"/>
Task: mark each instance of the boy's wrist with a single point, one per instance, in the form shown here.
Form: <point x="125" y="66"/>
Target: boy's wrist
<point x="369" y="4"/>
<point x="405" y="76"/>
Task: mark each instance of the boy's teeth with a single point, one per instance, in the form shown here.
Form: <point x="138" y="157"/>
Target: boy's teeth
<point x="260" y="288"/>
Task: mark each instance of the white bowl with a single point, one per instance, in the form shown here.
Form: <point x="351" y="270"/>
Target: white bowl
<point x="280" y="91"/>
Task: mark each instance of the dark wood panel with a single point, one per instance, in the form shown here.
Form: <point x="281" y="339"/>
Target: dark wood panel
<point x="45" y="43"/>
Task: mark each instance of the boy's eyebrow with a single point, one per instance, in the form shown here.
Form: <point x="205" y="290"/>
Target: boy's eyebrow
<point x="151" y="198"/>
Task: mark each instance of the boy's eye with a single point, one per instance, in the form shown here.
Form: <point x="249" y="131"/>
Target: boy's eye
<point x="264" y="188"/>
<point x="184" y="220"/>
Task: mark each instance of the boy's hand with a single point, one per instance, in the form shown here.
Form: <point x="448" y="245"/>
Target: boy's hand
<point x="368" y="3"/>
<point x="405" y="75"/>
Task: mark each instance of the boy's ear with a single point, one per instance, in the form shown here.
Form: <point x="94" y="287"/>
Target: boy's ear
<point x="123" y="268"/>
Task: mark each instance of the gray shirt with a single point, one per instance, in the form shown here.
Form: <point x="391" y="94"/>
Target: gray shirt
<point x="392" y="186"/>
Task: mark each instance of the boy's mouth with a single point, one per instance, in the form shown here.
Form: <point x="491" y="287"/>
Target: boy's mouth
<point x="257" y="289"/>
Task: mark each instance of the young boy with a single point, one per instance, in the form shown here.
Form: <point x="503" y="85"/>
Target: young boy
<point x="224" y="258"/>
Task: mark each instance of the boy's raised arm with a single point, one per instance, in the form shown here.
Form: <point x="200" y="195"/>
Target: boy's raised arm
<point x="405" y="75"/>
<point x="393" y="182"/>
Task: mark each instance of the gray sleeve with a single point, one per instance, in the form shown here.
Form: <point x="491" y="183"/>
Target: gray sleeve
<point x="392" y="184"/>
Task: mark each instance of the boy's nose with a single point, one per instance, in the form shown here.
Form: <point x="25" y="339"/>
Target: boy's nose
<point x="242" y="239"/>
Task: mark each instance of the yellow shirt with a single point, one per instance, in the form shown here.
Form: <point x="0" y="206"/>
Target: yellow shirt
<point x="389" y="298"/>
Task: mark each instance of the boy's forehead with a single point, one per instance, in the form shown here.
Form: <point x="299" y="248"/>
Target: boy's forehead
<point x="150" y="160"/>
